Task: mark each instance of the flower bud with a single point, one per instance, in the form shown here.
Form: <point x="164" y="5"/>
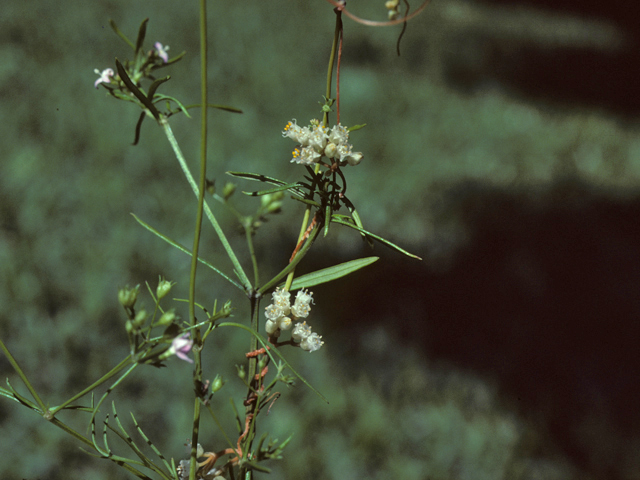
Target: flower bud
<point x="228" y="190"/>
<point x="270" y="327"/>
<point x="331" y="150"/>
<point x="128" y="296"/>
<point x="217" y="384"/>
<point x="139" y="319"/>
<point x="164" y="287"/>
<point x="262" y="362"/>
<point x="354" y="159"/>
<point x="167" y="317"/>
<point x="241" y="372"/>
<point x="265" y="200"/>
<point x="274" y="207"/>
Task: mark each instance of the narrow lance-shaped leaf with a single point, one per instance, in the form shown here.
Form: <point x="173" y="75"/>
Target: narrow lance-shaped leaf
<point x="142" y="32"/>
<point x="136" y="91"/>
<point x="154" y="86"/>
<point x="293" y="187"/>
<point x="138" y="127"/>
<point x="120" y="34"/>
<point x="159" y="97"/>
<point x="185" y="250"/>
<point x="265" y="179"/>
<point x="226" y="108"/>
<point x="376" y="237"/>
<point x="331" y="273"/>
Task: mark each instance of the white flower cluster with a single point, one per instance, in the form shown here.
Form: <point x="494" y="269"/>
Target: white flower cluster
<point x="316" y="141"/>
<point x="280" y="313"/>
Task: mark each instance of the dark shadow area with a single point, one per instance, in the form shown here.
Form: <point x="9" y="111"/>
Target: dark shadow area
<point x="545" y="299"/>
<point x="565" y="76"/>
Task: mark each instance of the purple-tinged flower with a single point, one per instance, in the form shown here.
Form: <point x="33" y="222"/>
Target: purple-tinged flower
<point x="162" y="51"/>
<point x="181" y="346"/>
<point x="105" y="76"/>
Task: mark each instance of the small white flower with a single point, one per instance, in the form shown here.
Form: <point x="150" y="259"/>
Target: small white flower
<point x="301" y="307"/>
<point x="312" y="343"/>
<point x="306" y="156"/>
<point x="301" y="331"/>
<point x="339" y="134"/>
<point x="296" y="133"/>
<point x="273" y="313"/>
<point x="105" y="76"/>
<point x="318" y="138"/>
<point x="304" y="296"/>
<point x="162" y="51"/>
<point x="281" y="299"/>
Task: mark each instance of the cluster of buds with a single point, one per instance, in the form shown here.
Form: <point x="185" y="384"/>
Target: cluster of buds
<point x="316" y="141"/>
<point x="393" y="8"/>
<point x="281" y="314"/>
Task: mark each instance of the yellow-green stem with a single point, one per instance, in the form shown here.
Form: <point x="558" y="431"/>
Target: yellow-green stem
<point x="197" y="375"/>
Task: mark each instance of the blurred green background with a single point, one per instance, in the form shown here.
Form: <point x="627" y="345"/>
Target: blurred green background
<point x="502" y="146"/>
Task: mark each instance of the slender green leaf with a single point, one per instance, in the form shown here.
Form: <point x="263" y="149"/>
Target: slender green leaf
<point x="356" y="127"/>
<point x="331" y="273"/>
<point x="290" y="186"/>
<point x="258" y="177"/>
<point x="120" y="34"/>
<point x="376" y="237"/>
<point x="159" y="97"/>
<point x="136" y="91"/>
<point x="226" y="108"/>
<point x="154" y="86"/>
<point x="142" y="32"/>
<point x="186" y="250"/>
<point x="138" y="128"/>
<point x="263" y="178"/>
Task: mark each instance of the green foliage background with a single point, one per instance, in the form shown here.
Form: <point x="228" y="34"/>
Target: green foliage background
<point x="69" y="177"/>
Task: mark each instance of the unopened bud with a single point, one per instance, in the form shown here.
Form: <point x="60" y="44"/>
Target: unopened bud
<point x="263" y="362"/>
<point x="217" y="384"/>
<point x="228" y="190"/>
<point x="164" y="287"/>
<point x="275" y="207"/>
<point x="330" y="150"/>
<point x="128" y="296"/>
<point x="167" y="317"/>
<point x="241" y="372"/>
<point x="139" y="319"/>
<point x="354" y="159"/>
<point x="265" y="200"/>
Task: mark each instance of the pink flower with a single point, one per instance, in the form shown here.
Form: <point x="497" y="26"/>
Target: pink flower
<point x="105" y="76"/>
<point x="181" y="346"/>
<point x="162" y="51"/>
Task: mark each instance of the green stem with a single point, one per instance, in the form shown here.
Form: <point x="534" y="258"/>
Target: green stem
<point x="114" y="371"/>
<point x="325" y="121"/>
<point x="290" y="268"/>
<point x="248" y="230"/>
<point x="223" y="239"/>
<point x="332" y="58"/>
<point x="23" y="377"/>
<point x="197" y="374"/>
